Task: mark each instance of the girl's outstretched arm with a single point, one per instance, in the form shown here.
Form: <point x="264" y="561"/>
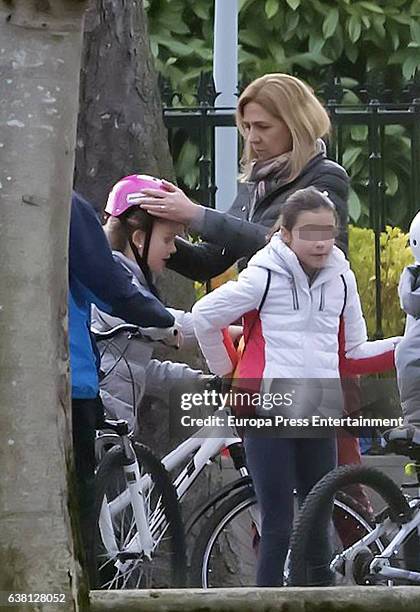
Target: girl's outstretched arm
<point x="357" y="354"/>
<point x="220" y="308"/>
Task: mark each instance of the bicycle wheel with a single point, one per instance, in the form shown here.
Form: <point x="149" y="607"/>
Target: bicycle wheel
<point x="118" y="559"/>
<point x="225" y="553"/>
<point x="346" y="566"/>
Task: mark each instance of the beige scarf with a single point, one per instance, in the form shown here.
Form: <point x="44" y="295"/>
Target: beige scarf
<point x="270" y="174"/>
<point x="265" y="176"/>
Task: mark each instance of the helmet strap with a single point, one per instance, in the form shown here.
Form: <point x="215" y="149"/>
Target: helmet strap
<point x="142" y="259"/>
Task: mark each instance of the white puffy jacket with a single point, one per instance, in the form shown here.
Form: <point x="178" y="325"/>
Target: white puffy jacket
<point x="295" y="335"/>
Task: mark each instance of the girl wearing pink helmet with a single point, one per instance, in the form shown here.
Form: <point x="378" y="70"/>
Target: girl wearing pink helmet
<point x="136" y="233"/>
<point x="142" y="245"/>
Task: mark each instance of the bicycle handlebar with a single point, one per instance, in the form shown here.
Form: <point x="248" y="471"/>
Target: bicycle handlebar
<point x="170" y="336"/>
<point x="114" y="331"/>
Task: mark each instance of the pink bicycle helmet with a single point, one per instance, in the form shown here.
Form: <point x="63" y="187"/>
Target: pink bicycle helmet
<point x="126" y="193"/>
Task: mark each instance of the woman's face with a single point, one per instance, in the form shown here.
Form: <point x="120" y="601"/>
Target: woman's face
<point x="267" y="135"/>
<point x="312" y="237"/>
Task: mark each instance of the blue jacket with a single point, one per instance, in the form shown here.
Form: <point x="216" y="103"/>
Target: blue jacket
<point x="95" y="277"/>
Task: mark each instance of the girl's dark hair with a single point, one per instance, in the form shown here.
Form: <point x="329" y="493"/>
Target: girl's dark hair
<point x="302" y="200"/>
<point x="120" y="229"/>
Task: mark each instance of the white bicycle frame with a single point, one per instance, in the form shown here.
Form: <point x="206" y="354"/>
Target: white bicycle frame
<point x="202" y="447"/>
<point x="198" y="450"/>
<point x="380" y="565"/>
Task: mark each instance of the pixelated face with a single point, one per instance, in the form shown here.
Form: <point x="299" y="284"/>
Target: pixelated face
<point x="312" y="237"/>
<point x="415" y="237"/>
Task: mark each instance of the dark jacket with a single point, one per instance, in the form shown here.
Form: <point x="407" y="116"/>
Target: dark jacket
<point x="95" y="278"/>
<point x="229" y="236"/>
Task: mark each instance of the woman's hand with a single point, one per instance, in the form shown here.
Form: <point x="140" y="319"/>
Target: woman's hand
<point x="173" y="204"/>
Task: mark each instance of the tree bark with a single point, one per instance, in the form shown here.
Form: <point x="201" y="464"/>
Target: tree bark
<point x="120" y="128"/>
<point x="40" y="53"/>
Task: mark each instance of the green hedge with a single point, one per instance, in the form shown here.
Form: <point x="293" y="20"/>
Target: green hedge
<point x="395" y="255"/>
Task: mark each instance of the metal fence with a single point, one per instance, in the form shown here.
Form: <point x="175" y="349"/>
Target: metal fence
<point x="379" y="108"/>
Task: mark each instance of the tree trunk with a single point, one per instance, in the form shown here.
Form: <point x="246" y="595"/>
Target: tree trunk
<point x="120" y="129"/>
<point x="40" y="53"/>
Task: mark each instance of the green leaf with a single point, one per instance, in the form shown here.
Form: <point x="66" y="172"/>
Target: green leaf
<point x="202" y="10"/>
<point x="349" y="82"/>
<point x="391" y="180"/>
<point x="379" y="28"/>
<point x="350" y="97"/>
<point x="350" y="156"/>
<point x="354" y="28"/>
<point x="369" y="6"/>
<point x="175" y="46"/>
<point x="351" y="51"/>
<point x="395" y="39"/>
<point x="330" y="23"/>
<point x="271" y="8"/>
<point x="171" y="60"/>
<point x="252" y="37"/>
<point x="294" y="4"/>
<point x="415" y="31"/>
<point x="355" y="207"/>
<point x="403" y="19"/>
<point x="154" y="47"/>
<point x="366" y="21"/>
<point x="359" y="132"/>
<point x="410" y="66"/>
<point x="292" y="20"/>
<point x="276" y="50"/>
<point x="316" y="42"/>
<point x="394" y="130"/>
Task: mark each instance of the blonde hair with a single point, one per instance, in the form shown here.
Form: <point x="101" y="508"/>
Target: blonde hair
<point x="287" y="98"/>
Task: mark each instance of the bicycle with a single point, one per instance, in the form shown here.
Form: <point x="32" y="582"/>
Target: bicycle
<point x="396" y="525"/>
<point x="231" y="517"/>
<point x="139" y="539"/>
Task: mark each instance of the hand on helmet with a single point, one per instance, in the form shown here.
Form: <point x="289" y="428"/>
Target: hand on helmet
<point x="170" y="204"/>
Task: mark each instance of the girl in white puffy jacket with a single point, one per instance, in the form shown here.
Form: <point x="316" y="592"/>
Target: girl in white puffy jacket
<point x="292" y="297"/>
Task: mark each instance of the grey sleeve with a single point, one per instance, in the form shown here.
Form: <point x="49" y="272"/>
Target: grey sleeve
<point x="163" y="376"/>
<point x="243" y="238"/>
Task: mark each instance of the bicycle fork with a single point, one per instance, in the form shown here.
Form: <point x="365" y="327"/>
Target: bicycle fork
<point x="132" y="476"/>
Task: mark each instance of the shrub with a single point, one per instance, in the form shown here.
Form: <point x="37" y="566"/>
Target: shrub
<point x="395" y="255"/>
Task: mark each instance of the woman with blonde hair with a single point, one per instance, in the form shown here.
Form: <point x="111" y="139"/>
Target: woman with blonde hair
<point x="282" y="123"/>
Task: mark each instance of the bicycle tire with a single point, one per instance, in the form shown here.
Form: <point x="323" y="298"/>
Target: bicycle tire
<point x="204" y="576"/>
<point x="109" y="480"/>
<point x="314" y="512"/>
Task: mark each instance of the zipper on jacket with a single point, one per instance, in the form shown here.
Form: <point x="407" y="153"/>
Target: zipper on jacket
<point x="322" y="299"/>
<point x="294" y="294"/>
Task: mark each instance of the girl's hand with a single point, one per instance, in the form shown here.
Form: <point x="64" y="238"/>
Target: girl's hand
<point x="173" y="204"/>
<point x="396" y="340"/>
